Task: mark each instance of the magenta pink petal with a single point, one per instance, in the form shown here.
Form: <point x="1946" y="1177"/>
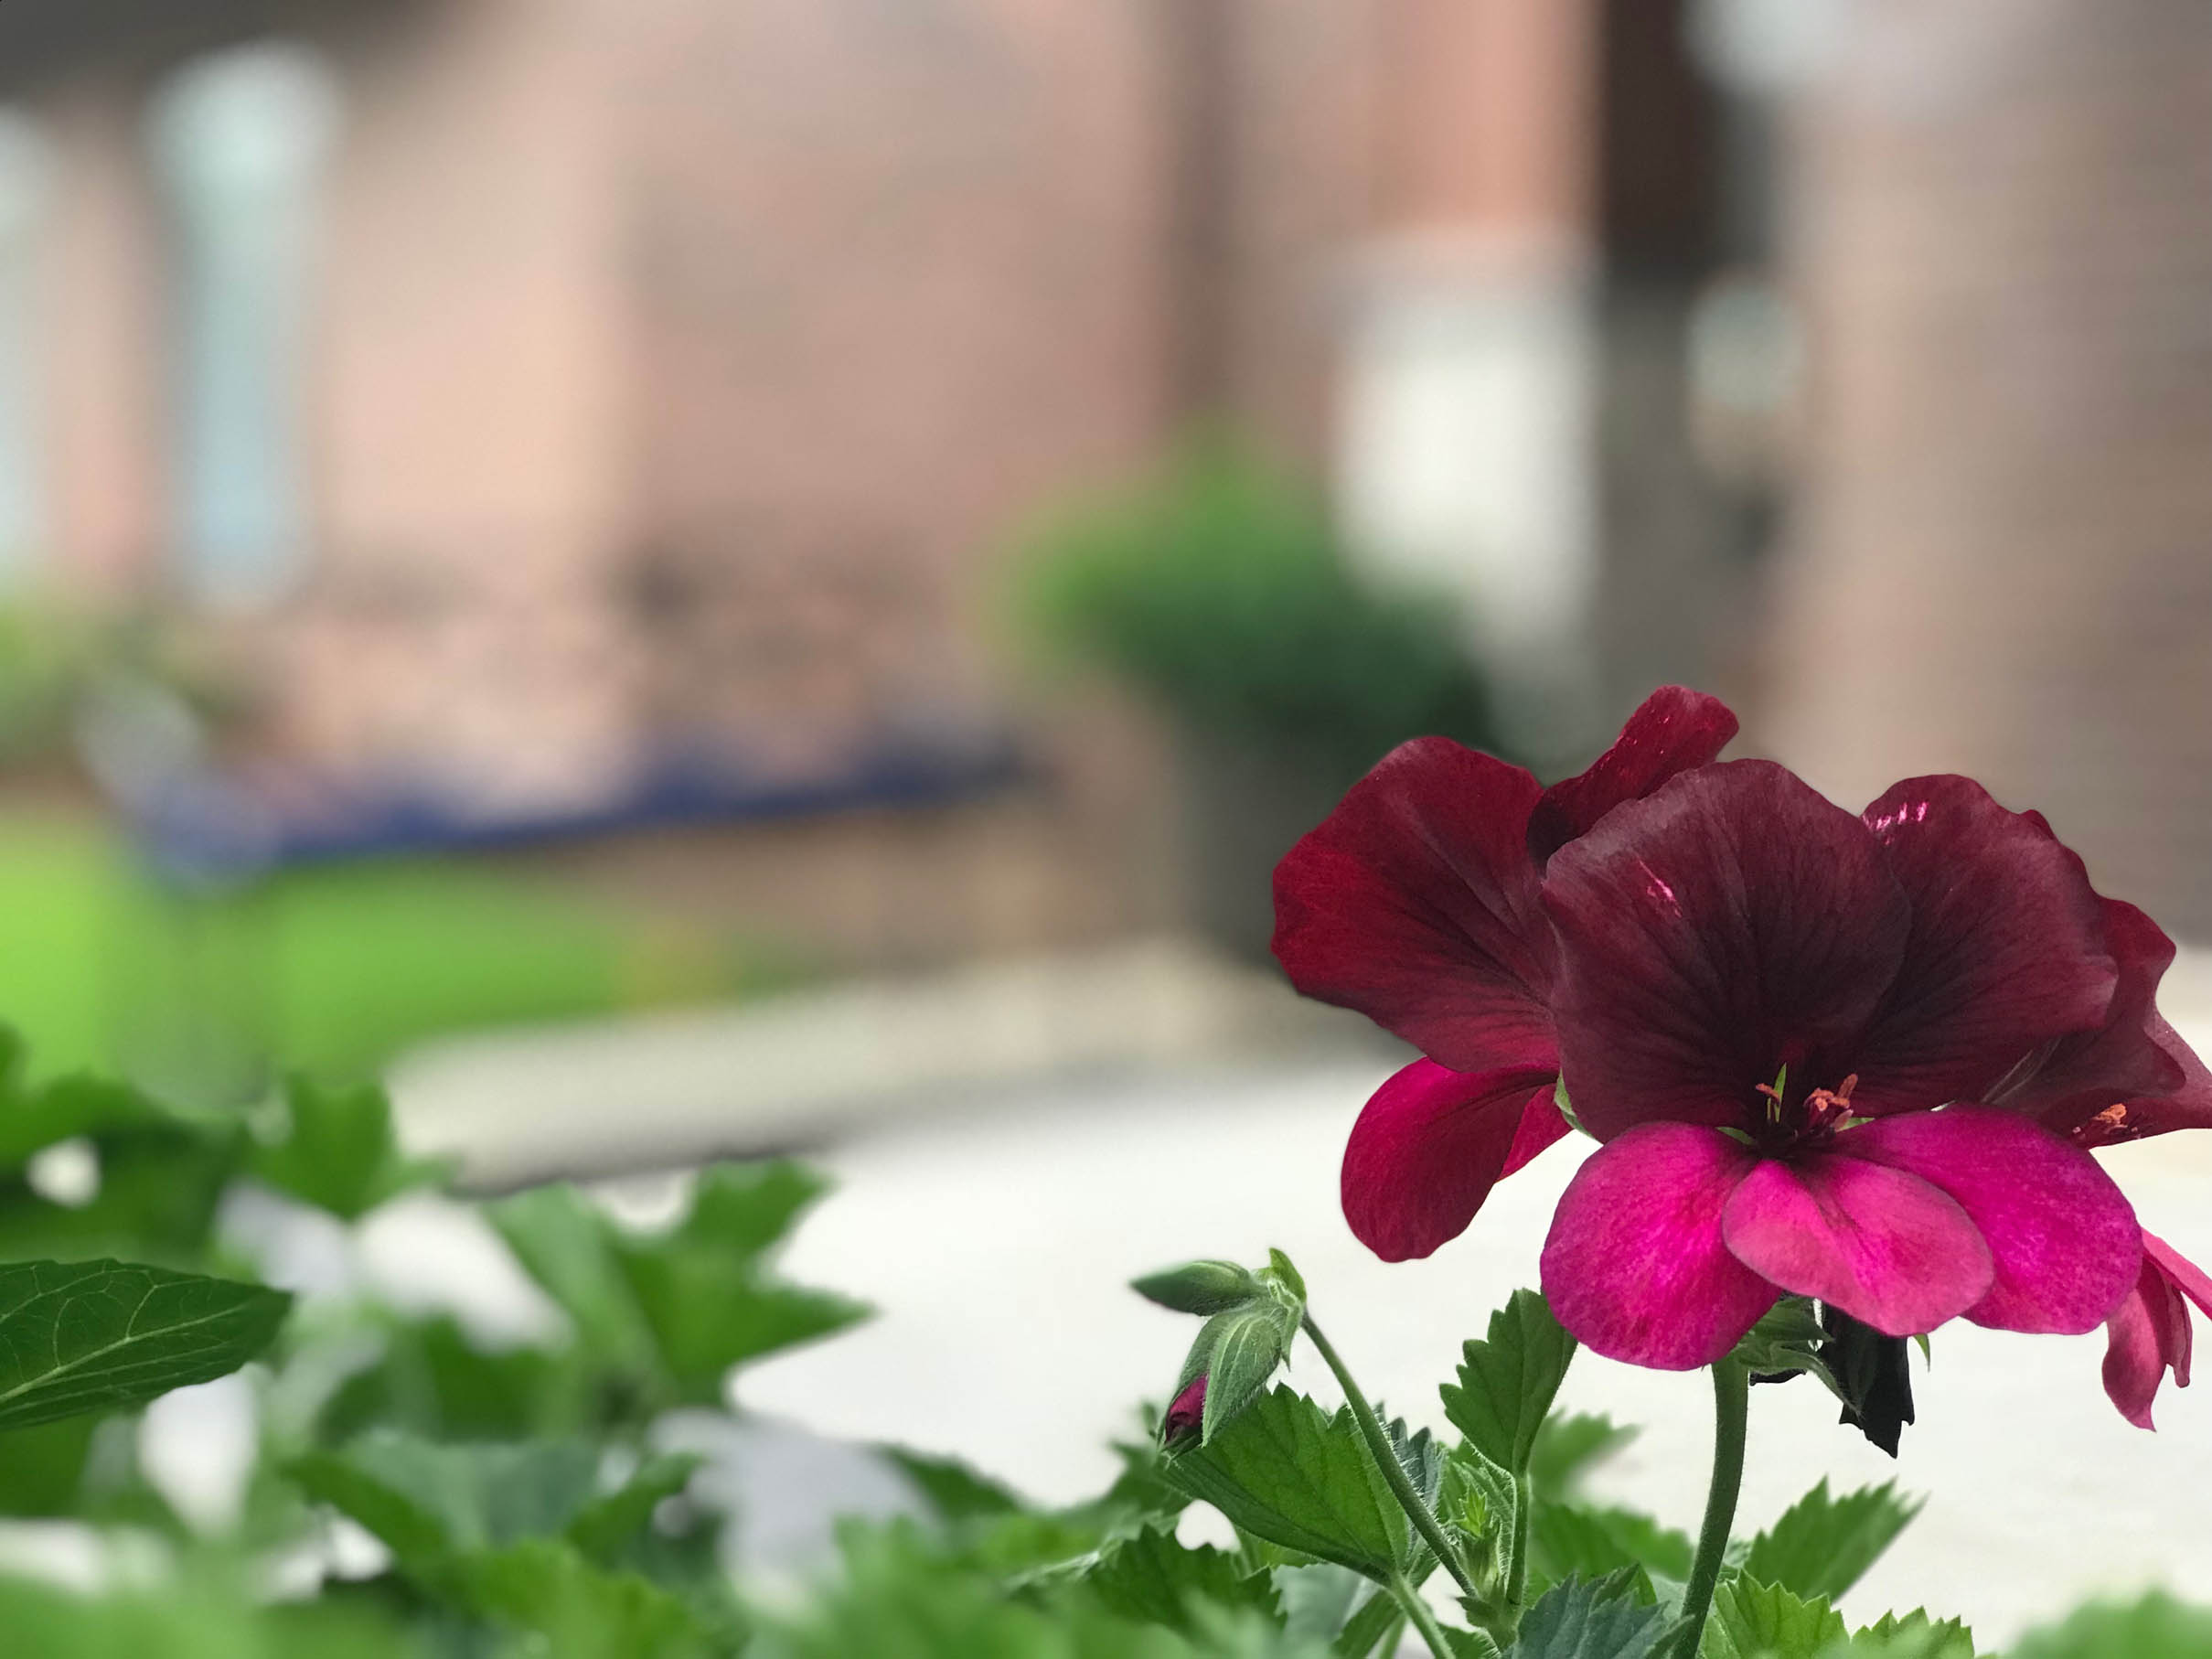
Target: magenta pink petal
<point x="2149" y="1333"/>
<point x="1428" y="1146"/>
<point x="1674" y="730"/>
<point x="2136" y="1354"/>
<point x="2147" y="1336"/>
<point x="2062" y="1237"/>
<point x="1729" y="921"/>
<point x="1634" y="1266"/>
<point x="2186" y="1277"/>
<point x="1415" y="902"/>
<point x="1885" y="1246"/>
<point x="2006" y="953"/>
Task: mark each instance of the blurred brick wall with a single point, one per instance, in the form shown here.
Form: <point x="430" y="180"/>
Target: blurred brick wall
<point x="2003" y="561"/>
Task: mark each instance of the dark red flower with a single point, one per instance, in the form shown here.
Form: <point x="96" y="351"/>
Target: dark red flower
<point x="1760" y="998"/>
<point x="1416" y="903"/>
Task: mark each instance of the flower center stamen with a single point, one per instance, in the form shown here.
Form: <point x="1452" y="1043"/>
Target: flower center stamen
<point x="1816" y="1118"/>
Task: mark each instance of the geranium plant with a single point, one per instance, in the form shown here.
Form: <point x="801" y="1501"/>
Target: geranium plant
<point x="1845" y="1072"/>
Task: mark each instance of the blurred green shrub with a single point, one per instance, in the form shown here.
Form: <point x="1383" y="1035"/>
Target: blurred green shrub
<point x="1219" y="590"/>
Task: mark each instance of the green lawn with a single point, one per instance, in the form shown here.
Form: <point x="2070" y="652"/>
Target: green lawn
<point x="330" y="972"/>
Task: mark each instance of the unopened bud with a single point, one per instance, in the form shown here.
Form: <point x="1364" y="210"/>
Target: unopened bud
<point x="1185" y="1413"/>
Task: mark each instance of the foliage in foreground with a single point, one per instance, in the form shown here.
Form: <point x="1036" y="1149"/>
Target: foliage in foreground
<point x="521" y="1501"/>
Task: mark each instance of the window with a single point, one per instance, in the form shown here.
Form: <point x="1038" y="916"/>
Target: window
<point x="242" y="139"/>
<point x="23" y="168"/>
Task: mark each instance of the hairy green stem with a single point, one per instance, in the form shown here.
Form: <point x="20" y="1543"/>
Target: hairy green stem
<point x="1378" y="1446"/>
<point x="1731" y="1409"/>
<point x="1516" y="1574"/>
<point x="1419" y="1617"/>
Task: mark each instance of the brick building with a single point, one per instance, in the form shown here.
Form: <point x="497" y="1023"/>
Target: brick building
<point x="522" y="388"/>
<point x="2003" y="561"/>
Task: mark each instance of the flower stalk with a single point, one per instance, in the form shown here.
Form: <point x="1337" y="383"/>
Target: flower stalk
<point x="1417" y="1613"/>
<point x="1731" y="1412"/>
<point x="1378" y="1446"/>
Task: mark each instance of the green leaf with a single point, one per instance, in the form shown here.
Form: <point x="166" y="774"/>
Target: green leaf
<point x="339" y="1152"/>
<point x="433" y="1380"/>
<point x="680" y="1307"/>
<point x="2157" y="1627"/>
<point x="1328" y="1603"/>
<point x="1568" y="1540"/>
<point x="1568" y="1448"/>
<point x="1199" y="1286"/>
<point x="1822" y="1546"/>
<point x="709" y="1311"/>
<point x="410" y="1528"/>
<point x="1507" y="1382"/>
<point x="1582" y="1619"/>
<point x="743" y="1209"/>
<point x="1784" y="1341"/>
<point x="1753" y="1621"/>
<point x="1238" y="1351"/>
<point x="162" y="1175"/>
<point x="1289" y="1472"/>
<point x="604" y="1529"/>
<point x="196" y="1616"/>
<point x="96" y="1337"/>
<point x="429" y="1502"/>
<point x="1153" y="1579"/>
<point x="1378" y="1618"/>
<point x="1913" y="1635"/>
<point x="579" y="1610"/>
<point x="517" y="1533"/>
<point x="42" y="1470"/>
<point x="1280" y="1273"/>
<point x="1481" y="1501"/>
<point x="564" y="1243"/>
<point x="66" y="1109"/>
<point x="955" y="1490"/>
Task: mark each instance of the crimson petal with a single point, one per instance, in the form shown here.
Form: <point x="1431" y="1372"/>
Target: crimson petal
<point x="2129" y="1056"/>
<point x="1429" y="1146"/>
<point x="2149" y="1332"/>
<point x="1415" y="902"/>
<point x="1674" y="730"/>
<point x="2062" y="1236"/>
<point x="1730" y="921"/>
<point x="1634" y="1266"/>
<point x="1882" y="1246"/>
<point x="2007" y="949"/>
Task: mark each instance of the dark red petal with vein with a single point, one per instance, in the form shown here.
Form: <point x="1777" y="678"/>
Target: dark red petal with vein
<point x="2007" y="952"/>
<point x="1731" y="921"/>
<point x="2064" y="1238"/>
<point x="1674" y="730"/>
<point x="1882" y="1245"/>
<point x="1429" y="1146"/>
<point x="1634" y="1266"/>
<point x="2131" y="1055"/>
<point x="1415" y="902"/>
